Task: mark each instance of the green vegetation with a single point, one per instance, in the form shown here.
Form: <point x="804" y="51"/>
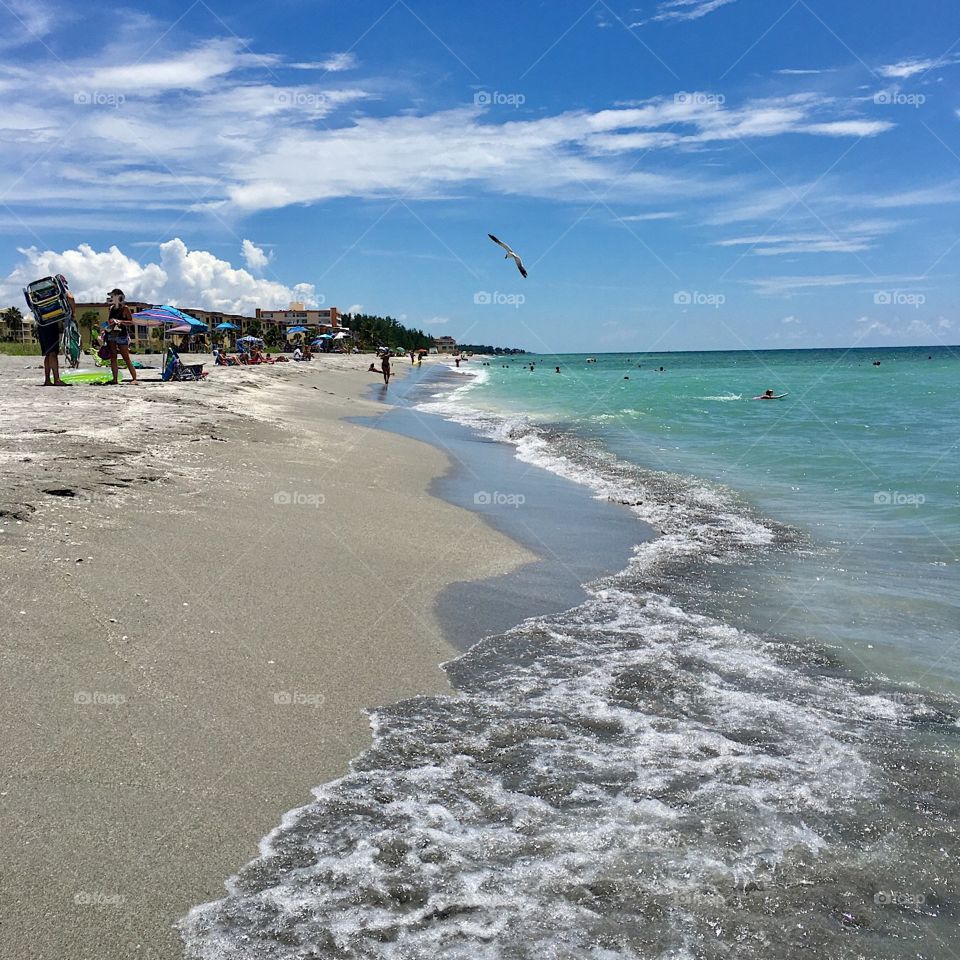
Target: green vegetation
<point x="19" y="349"/>
<point x="11" y="322"/>
<point x="372" y="331"/>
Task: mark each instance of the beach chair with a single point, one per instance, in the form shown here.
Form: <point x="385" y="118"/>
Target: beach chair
<point x="47" y="300"/>
<point x="175" y="369"/>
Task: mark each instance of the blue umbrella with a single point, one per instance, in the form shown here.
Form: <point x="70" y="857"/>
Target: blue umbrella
<point x="172" y="316"/>
<point x="296" y="329"/>
<point x="226" y="326"/>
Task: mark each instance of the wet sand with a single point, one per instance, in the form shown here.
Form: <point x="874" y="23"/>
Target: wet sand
<point x="205" y="586"/>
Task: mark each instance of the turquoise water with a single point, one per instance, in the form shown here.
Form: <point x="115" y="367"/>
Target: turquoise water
<point x="862" y="459"/>
<point x="702" y="760"/>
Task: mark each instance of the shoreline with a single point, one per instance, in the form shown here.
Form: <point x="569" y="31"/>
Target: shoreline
<point x="596" y="538"/>
<point x="207" y="597"/>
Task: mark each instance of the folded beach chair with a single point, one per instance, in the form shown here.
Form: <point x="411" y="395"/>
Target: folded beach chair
<point x="47" y="300"/>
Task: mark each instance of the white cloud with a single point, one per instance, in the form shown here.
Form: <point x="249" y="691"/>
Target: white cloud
<point x="904" y="69"/>
<point x="354" y="308"/>
<point x="183" y="277"/>
<point x="436" y="321"/>
<point x="253" y="256"/>
<point x="790" y="319"/>
<point x="918" y="197"/>
<point x="868" y="326"/>
<point x="655" y="215"/>
<point x="790" y="285"/>
<point x="340" y="61"/>
<point x="849" y="128"/>
<point x="26" y="21"/>
<point x="852" y="238"/>
<point x="192" y="69"/>
<point x="686" y="9"/>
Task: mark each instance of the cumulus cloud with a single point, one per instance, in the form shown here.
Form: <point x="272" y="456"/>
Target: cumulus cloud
<point x="182" y="277"/>
<point x="253" y="256"/>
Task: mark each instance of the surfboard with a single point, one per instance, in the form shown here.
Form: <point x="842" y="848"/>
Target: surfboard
<point x="779" y="396"/>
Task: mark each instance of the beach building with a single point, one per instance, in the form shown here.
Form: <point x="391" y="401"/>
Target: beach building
<point x="23" y="331"/>
<point x="446" y="345"/>
<point x="327" y="319"/>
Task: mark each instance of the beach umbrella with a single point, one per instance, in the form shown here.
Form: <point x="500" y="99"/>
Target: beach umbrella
<point x="169" y="315"/>
<point x="325" y="336"/>
<point x="296" y="330"/>
<point x="183" y="328"/>
<point x="249" y="339"/>
<point x="226" y="325"/>
<point x="341" y="335"/>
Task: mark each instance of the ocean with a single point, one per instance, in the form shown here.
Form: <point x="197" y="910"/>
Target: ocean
<point x="744" y="743"/>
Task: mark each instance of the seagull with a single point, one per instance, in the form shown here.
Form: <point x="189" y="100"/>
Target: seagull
<point x="510" y="253"/>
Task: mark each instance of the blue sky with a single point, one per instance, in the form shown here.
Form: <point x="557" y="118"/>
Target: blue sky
<point x="677" y="174"/>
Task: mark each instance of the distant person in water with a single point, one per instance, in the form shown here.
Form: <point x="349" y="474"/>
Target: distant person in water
<point x="767" y="395"/>
<point x="557" y="369"/>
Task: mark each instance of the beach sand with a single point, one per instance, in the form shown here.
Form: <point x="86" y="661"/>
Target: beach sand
<point x="204" y="587"/>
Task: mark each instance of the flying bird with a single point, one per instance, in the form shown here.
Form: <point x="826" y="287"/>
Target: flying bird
<point x="510" y="253"/>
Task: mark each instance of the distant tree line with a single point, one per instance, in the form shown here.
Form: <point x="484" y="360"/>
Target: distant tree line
<point x="374" y="331"/>
<point x="492" y="351"/>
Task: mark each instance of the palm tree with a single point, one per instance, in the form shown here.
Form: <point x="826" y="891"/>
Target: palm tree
<point x="12" y="323"/>
<point x="87" y="321"/>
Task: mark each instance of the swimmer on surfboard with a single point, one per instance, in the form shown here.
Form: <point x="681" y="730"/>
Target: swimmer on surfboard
<point x="769" y="395"/>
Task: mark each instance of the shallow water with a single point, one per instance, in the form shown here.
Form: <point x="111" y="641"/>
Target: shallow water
<point x="674" y="768"/>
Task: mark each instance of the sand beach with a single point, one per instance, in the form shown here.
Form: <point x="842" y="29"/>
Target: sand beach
<point x="205" y="587"/>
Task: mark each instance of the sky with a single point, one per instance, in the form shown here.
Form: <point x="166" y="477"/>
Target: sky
<point x="676" y="174"/>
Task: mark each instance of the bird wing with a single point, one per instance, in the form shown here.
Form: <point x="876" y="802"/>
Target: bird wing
<point x="499" y="243"/>
<point x="520" y="266"/>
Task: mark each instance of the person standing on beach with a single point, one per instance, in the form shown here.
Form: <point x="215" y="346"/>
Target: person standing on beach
<point x="385" y="366"/>
<point x="50" y="335"/>
<point x="119" y="322"/>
